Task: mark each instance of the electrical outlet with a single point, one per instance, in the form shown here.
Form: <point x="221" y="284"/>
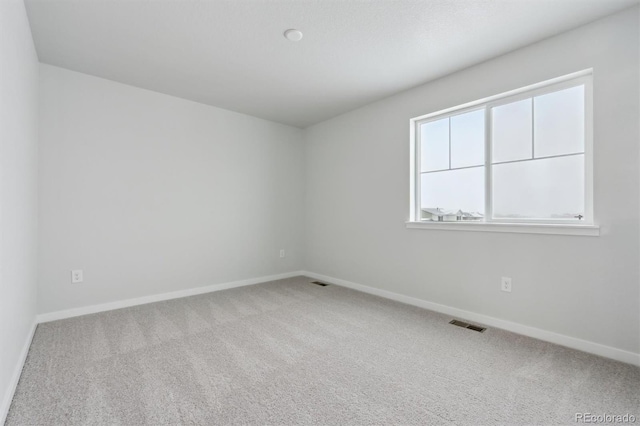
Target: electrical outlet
<point x="77" y="276"/>
<point x="506" y="284"/>
<point x="282" y="253"/>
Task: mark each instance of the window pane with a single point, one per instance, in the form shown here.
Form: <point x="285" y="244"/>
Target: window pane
<point x="511" y="132"/>
<point x="545" y="189"/>
<point x="454" y="190"/>
<point x="467" y="139"/>
<point x="434" y="139"/>
<point x="559" y="122"/>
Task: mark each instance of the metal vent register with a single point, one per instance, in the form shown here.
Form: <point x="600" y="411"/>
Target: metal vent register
<point x="467" y="325"/>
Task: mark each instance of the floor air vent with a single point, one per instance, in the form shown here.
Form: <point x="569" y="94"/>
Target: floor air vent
<point x="319" y="283"/>
<point x="467" y="325"/>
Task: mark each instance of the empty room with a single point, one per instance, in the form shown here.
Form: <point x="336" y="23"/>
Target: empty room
<point x="330" y="212"/>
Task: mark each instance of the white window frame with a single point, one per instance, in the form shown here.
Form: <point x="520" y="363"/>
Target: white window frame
<point x="586" y="226"/>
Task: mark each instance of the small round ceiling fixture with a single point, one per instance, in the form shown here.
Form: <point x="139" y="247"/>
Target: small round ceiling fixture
<point x="293" y="34"/>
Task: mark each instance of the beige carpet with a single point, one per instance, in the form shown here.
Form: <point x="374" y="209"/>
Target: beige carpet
<point x="290" y="352"/>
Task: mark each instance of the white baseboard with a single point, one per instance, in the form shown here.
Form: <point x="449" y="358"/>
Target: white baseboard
<point x="85" y="310"/>
<point x="15" y="378"/>
<point x="548" y="336"/>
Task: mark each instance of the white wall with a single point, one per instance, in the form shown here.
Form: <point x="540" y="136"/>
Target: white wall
<point x="585" y="287"/>
<point x="18" y="192"/>
<point x="148" y="193"/>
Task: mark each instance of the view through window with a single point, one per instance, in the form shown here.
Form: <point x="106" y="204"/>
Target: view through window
<point x="515" y="158"/>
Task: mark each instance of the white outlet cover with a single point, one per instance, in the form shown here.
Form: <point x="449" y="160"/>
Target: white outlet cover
<point x="77" y="276"/>
<point x="505" y="284"/>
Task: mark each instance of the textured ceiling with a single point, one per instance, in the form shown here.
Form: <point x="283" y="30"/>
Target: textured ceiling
<point x="232" y="54"/>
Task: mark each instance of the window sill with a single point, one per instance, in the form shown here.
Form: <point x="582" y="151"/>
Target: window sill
<point x="519" y="228"/>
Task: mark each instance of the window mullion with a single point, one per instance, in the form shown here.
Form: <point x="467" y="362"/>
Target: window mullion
<point x="488" y="204"/>
<point x="533" y="127"/>
<point x="417" y="176"/>
<point x="449" y="143"/>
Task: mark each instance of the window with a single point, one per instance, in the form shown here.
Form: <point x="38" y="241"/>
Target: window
<point x="523" y="157"/>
